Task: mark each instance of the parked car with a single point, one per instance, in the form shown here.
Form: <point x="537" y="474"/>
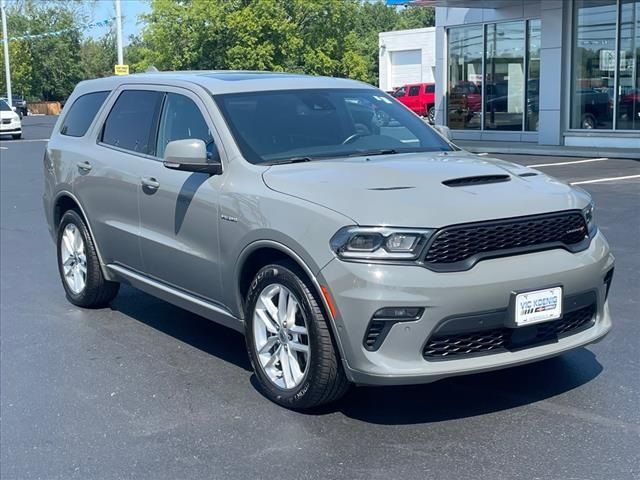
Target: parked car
<point x="419" y="97"/>
<point x="19" y="103"/>
<point x="10" y="123"/>
<point x="595" y="109"/>
<point x="629" y="107"/>
<point x="465" y="103"/>
<point x="275" y="205"/>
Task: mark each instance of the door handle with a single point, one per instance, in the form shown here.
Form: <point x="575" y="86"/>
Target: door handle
<point x="150" y="183"/>
<point x="84" y="166"/>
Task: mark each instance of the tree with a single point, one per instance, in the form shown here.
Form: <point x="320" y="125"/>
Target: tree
<point x="21" y="69"/>
<point x="97" y="57"/>
<point x="55" y="58"/>
<point x="321" y="37"/>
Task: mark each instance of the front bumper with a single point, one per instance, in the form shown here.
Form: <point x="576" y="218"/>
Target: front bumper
<point x="358" y="290"/>
<point x="10" y="128"/>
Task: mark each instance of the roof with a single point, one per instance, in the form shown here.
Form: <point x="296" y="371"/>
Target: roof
<point x="225" y="81"/>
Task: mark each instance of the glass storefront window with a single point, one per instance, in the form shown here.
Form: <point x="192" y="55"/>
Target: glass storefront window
<point x="504" y="76"/>
<point x="629" y="67"/>
<point x="465" y="78"/>
<point x="533" y="76"/>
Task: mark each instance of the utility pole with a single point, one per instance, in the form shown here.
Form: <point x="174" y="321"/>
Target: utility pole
<point x="5" y="45"/>
<point x="118" y="31"/>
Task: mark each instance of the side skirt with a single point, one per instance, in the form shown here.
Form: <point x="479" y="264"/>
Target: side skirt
<point x="177" y="297"/>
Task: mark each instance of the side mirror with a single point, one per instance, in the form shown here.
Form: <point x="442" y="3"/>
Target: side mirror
<point x="444" y="131"/>
<point x="190" y="155"/>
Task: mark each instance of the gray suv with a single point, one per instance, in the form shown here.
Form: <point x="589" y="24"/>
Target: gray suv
<point x="348" y="240"/>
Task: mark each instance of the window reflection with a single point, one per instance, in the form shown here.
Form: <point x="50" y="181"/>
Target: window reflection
<point x="594" y="64"/>
<point x="465" y="77"/>
<point x="504" y="78"/>
<point x="533" y="76"/>
<point x="629" y="67"/>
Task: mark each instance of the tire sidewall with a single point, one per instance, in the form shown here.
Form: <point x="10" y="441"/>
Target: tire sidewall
<point x="293" y="398"/>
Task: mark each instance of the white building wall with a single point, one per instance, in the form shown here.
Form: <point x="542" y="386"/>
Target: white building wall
<point x="407" y="56"/>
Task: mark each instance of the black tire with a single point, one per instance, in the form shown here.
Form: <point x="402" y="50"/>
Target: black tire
<point x="325" y="380"/>
<point x="588" y="122"/>
<point x="16" y="136"/>
<point x="431" y="115"/>
<point x="97" y="291"/>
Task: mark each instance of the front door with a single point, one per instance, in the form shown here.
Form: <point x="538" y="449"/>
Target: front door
<point x="179" y="210"/>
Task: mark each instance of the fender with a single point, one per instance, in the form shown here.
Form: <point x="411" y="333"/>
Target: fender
<point x="301" y="263"/>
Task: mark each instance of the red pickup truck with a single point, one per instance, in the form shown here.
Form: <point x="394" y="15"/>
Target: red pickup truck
<point x="419" y="97"/>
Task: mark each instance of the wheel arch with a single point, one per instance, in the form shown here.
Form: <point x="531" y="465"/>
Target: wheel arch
<point x="261" y="253"/>
<point x="65" y="201"/>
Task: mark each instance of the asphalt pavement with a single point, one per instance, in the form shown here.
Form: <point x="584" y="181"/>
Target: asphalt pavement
<point x="146" y="390"/>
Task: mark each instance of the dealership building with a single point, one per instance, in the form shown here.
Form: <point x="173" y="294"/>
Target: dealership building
<point x="552" y="72"/>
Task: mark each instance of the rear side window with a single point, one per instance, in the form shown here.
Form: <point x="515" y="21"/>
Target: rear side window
<point x="430" y="89"/>
<point x="133" y="120"/>
<point x="413" y="91"/>
<point x="81" y="114"/>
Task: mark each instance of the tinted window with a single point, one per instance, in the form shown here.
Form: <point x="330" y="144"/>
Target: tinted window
<point x="181" y="119"/>
<point x="400" y="92"/>
<point x="132" y="121"/>
<point x="323" y="123"/>
<point x="430" y="89"/>
<point x="81" y="114"/>
<point x="413" y="91"/>
<point x="4" y="106"/>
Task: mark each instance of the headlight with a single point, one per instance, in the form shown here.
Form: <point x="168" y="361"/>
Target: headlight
<point x="589" y="218"/>
<point x="379" y="243"/>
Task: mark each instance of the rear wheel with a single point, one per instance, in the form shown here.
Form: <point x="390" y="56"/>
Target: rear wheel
<point x="431" y="115"/>
<point x="79" y="266"/>
<point x="16" y="136"/>
<point x="289" y="342"/>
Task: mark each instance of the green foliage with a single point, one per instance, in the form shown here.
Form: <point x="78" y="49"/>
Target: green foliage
<point x="21" y="69"/>
<point x="321" y="37"/>
<point x="97" y="57"/>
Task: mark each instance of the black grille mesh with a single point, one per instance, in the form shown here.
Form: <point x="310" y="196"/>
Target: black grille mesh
<point x="459" y="243"/>
<point x="454" y="345"/>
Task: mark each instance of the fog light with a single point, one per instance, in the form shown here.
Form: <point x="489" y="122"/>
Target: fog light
<point x="399" y="313"/>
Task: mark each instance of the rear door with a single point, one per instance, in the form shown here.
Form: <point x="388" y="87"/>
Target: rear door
<point x="109" y="177"/>
<point x="179" y="210"/>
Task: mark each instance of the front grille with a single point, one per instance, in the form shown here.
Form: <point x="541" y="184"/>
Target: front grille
<point x="459" y="247"/>
<point x="501" y="339"/>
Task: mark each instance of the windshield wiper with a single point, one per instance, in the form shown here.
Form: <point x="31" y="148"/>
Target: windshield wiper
<point x="289" y="160"/>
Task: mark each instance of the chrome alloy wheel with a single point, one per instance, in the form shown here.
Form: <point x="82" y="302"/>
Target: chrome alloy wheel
<point x="73" y="258"/>
<point x="281" y="337"/>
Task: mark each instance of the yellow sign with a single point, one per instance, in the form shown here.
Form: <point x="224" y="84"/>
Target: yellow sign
<point x="122" y="69"/>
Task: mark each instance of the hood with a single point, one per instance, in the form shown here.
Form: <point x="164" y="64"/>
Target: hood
<point x="407" y="190"/>
<point x="8" y="114"/>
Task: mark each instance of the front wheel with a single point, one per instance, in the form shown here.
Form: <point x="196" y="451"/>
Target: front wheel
<point x="289" y="342"/>
<point x="16" y="136"/>
<point x="79" y="265"/>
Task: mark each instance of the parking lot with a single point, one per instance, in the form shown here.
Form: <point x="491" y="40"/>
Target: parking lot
<point x="146" y="390"/>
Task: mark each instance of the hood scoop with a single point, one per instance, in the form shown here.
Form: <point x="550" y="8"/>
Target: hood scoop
<point x="476" y="180"/>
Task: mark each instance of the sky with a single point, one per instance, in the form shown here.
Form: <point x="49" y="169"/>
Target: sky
<point x="104" y="9"/>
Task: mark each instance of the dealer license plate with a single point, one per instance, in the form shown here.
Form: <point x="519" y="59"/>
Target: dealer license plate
<point x="538" y="306"/>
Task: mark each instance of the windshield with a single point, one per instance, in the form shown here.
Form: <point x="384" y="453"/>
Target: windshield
<point x="4" y="107"/>
<point x="282" y="125"/>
